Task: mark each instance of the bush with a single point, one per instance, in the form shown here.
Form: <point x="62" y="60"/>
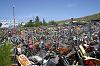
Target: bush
<point x="5" y="54"/>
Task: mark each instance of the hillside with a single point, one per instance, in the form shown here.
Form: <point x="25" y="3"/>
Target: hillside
<point x="91" y="17"/>
<point x="85" y="18"/>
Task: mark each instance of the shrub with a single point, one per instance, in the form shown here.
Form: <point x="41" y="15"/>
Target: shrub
<point x="5" y="54"/>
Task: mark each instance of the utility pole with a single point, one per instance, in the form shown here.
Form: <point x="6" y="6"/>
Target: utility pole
<point x="14" y="15"/>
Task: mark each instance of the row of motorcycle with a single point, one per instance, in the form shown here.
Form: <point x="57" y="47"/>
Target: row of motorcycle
<point x="83" y="54"/>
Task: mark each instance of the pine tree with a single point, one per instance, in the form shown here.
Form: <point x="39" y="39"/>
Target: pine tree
<point x="37" y="19"/>
<point x="44" y="23"/>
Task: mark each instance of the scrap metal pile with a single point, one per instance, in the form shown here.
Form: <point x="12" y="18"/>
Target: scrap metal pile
<point x="75" y="44"/>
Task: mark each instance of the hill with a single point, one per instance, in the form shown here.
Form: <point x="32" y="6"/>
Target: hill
<point x="85" y="19"/>
<point x="90" y="17"/>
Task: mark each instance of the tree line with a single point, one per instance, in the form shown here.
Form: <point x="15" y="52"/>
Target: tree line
<point x="37" y="22"/>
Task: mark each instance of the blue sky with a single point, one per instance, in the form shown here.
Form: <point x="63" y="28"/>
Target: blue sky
<point x="48" y="9"/>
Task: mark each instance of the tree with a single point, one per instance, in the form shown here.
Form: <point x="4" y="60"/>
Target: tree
<point x="29" y="24"/>
<point x="44" y="23"/>
<point x="0" y="24"/>
<point x="5" y="54"/>
<point x="37" y="19"/>
<point x="37" y="22"/>
<point x="52" y="23"/>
